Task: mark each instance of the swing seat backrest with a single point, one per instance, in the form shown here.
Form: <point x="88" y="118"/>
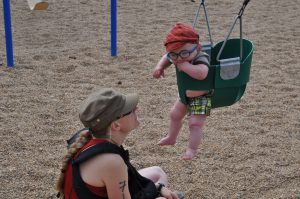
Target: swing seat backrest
<point x="207" y="47"/>
<point x="227" y="78"/>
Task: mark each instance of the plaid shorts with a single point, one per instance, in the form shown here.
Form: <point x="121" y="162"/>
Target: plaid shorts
<point x="199" y="105"/>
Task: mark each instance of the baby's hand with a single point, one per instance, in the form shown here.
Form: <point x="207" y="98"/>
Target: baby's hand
<point x="157" y="73"/>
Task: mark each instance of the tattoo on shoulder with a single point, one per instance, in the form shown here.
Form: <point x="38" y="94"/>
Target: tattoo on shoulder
<point x="122" y="187"/>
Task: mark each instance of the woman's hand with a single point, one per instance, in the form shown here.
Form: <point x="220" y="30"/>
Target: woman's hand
<point x="167" y="194"/>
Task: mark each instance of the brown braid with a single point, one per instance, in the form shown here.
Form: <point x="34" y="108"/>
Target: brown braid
<point x="82" y="139"/>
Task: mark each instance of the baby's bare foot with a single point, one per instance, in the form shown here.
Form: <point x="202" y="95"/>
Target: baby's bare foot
<point x="189" y="154"/>
<point x="166" y="141"/>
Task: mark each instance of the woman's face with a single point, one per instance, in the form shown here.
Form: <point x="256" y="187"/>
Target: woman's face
<point x="130" y="121"/>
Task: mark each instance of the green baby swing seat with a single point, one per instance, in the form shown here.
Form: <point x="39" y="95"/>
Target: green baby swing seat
<point x="226" y="90"/>
<point x="229" y="70"/>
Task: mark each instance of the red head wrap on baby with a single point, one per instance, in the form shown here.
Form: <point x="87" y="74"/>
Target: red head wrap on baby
<point x="179" y="35"/>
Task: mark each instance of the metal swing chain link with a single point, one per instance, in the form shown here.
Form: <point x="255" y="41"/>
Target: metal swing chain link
<point x="202" y="4"/>
<point x="239" y="16"/>
<point x="197" y="13"/>
<point x="243" y="8"/>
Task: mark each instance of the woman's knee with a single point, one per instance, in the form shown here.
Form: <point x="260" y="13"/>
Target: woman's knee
<point x="155" y="174"/>
<point x="160" y="170"/>
<point x="161" y="175"/>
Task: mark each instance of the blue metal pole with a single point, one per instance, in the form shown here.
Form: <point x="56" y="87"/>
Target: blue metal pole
<point x="8" y="33"/>
<point x="113" y="26"/>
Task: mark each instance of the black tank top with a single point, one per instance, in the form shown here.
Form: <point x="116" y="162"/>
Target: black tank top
<point x="139" y="186"/>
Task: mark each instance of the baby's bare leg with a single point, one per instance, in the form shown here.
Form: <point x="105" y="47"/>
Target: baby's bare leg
<point x="196" y="123"/>
<point x="177" y="113"/>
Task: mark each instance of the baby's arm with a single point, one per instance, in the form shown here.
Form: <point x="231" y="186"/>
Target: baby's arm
<point x="198" y="71"/>
<point x="161" y="66"/>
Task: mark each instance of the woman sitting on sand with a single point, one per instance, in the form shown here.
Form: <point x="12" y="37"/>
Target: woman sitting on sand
<point x="97" y="166"/>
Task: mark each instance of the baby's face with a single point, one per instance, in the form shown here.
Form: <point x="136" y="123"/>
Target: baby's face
<point x="184" y="54"/>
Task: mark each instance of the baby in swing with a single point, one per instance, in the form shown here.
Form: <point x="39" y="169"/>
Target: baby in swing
<point x="184" y="51"/>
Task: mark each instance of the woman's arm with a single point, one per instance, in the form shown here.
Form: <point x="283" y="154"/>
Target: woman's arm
<point x="115" y="177"/>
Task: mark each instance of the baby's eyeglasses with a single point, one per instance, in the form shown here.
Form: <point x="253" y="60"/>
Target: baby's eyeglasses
<point x="183" y="54"/>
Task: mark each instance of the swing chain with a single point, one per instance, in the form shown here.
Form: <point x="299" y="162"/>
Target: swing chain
<point x="238" y="17"/>
<point x="197" y="13"/>
<point x="202" y="4"/>
<point x="243" y="8"/>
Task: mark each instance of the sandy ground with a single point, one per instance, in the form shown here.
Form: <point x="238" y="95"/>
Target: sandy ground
<point x="250" y="150"/>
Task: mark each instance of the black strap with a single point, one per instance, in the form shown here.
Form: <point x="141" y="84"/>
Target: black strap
<point x="79" y="185"/>
<point x="139" y="186"/>
<point x="105" y="147"/>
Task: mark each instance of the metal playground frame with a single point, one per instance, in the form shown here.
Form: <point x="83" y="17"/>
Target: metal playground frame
<point x="9" y="39"/>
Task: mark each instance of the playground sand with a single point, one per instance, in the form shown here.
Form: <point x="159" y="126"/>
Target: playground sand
<point x="250" y="149"/>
